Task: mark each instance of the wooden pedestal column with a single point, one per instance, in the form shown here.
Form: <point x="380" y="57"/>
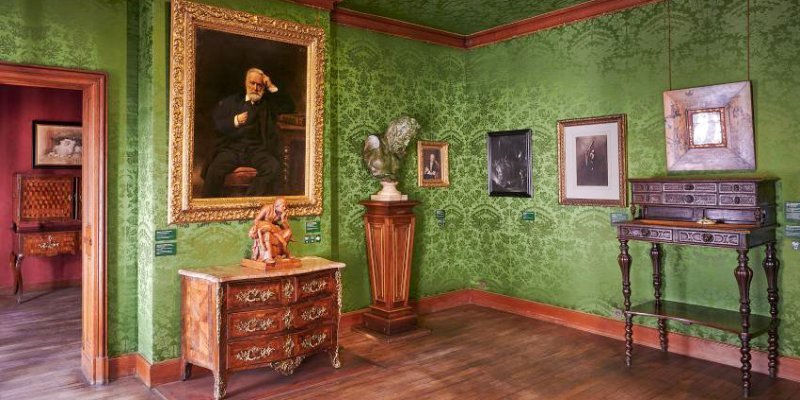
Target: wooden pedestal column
<point x="390" y="241"/>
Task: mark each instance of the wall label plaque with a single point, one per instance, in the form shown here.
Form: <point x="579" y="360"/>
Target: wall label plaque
<point x="166" y="249"/>
<point x="529" y="216"/>
<point x="618" y="217"/>
<point x="793" y="211"/>
<point x="166" y="234"/>
<point x="793" y="231"/>
<point x="313" y="227"/>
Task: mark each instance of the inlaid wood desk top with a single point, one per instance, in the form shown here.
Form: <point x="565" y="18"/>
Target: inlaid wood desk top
<point x="233" y="273"/>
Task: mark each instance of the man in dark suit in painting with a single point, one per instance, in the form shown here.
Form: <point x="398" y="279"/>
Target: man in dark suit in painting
<point x="247" y="124"/>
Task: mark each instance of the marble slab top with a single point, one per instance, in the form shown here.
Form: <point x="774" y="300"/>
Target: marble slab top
<point x="231" y="273"/>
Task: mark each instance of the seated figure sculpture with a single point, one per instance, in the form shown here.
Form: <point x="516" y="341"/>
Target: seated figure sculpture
<point x="271" y="235"/>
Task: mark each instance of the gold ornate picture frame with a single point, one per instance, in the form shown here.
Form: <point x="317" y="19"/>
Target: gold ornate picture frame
<point x="246" y="114"/>
<point x="592" y="161"/>
<point x="433" y="168"/>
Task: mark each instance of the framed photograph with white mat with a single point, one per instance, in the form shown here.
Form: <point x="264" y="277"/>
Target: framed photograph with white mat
<point x="591" y="161"/>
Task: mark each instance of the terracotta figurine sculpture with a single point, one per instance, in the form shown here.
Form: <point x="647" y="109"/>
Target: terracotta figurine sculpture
<point x="271" y="233"/>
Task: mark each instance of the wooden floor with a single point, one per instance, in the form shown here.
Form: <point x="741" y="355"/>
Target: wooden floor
<point x="40" y="356"/>
<point x="473" y="353"/>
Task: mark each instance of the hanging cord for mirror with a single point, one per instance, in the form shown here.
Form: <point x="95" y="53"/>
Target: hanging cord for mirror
<point x="669" y="45"/>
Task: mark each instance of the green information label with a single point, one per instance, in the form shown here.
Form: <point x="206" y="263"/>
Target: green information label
<point x="313" y="227"/>
<point x="528" y="216"/>
<point x="166" y="234"/>
<point x="793" y="231"/>
<point x="618" y="217"/>
<point x="166" y="249"/>
<point x="793" y="211"/>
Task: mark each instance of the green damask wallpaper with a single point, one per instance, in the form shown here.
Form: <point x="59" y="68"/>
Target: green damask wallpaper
<point x="618" y="64"/>
<point x="458" y="16"/>
<point x="93" y="35"/>
<point x="567" y="257"/>
<point x="377" y="78"/>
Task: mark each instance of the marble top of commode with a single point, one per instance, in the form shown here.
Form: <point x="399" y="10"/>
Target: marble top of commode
<point x="231" y="273"/>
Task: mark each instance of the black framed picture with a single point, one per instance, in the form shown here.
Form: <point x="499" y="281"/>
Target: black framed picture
<point x="57" y="144"/>
<point x="509" y="163"/>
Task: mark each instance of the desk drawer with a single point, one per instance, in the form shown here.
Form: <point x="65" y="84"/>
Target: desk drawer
<point x="690" y="199"/>
<point x="737" y="187"/>
<point x="654" y="234"/>
<point x="263" y="350"/>
<point x="690" y="187"/>
<point x="708" y="238"/>
<point x="736" y="200"/>
<point x="50" y="244"/>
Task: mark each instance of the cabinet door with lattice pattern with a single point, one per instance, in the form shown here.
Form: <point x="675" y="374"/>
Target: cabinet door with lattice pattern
<point x="44" y="198"/>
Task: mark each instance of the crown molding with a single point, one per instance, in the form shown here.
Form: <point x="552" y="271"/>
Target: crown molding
<point x="394" y="27"/>
<point x="564" y="16"/>
<point x="323" y="4"/>
<point x="553" y="19"/>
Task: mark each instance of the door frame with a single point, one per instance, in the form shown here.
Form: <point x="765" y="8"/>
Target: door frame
<point x="94" y="318"/>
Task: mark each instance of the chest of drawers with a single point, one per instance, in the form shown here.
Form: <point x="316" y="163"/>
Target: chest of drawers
<point x="236" y="318"/>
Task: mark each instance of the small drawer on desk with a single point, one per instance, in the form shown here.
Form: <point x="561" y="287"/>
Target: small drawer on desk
<point x="251" y="323"/>
<point x="647" y="187"/>
<point x="255" y="294"/>
<point x="690" y="199"/>
<point x="648" y="198"/>
<point x="50" y="244"/>
<point x="708" y="238"/>
<point x="315" y="285"/>
<point x="737" y="187"/>
<point x="690" y="187"/>
<point x="655" y="234"/>
<point x="737" y="200"/>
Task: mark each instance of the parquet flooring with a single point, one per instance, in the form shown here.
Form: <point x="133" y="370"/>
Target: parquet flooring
<point x="473" y="353"/>
<point x="40" y="356"/>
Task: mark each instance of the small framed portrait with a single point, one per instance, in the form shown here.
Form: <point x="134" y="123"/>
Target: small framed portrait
<point x="591" y="161"/>
<point x="432" y="164"/>
<point x="57" y="144"/>
<point x="509" y="163"/>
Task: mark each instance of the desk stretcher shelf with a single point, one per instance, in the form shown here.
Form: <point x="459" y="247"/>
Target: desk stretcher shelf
<point x="725" y="320"/>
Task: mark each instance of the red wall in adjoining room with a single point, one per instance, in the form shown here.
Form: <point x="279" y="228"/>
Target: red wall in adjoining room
<point x="19" y="107"/>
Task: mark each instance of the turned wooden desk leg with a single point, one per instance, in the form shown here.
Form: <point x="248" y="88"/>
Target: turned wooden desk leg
<point x="16" y="264"/>
<point x="744" y="275"/>
<point x="624" y="260"/>
<point x="771" y="265"/>
<point x="655" y="256"/>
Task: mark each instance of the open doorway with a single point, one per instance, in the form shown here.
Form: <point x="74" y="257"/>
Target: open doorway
<point x="89" y="89"/>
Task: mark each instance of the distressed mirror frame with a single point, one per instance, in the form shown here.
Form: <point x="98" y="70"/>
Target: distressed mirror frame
<point x="187" y="17"/>
<point x="734" y="102"/>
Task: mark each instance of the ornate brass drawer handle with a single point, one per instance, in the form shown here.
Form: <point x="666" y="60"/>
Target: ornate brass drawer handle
<point x="254" y="353"/>
<point x="314" y="313"/>
<point x="708" y="238"/>
<point x="49" y="244"/>
<point x="255" y="295"/>
<point x="314" y="340"/>
<point x="254" y="325"/>
<point x="287" y="318"/>
<point x="288" y="347"/>
<point x="288" y="289"/>
<point x="315" y="286"/>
